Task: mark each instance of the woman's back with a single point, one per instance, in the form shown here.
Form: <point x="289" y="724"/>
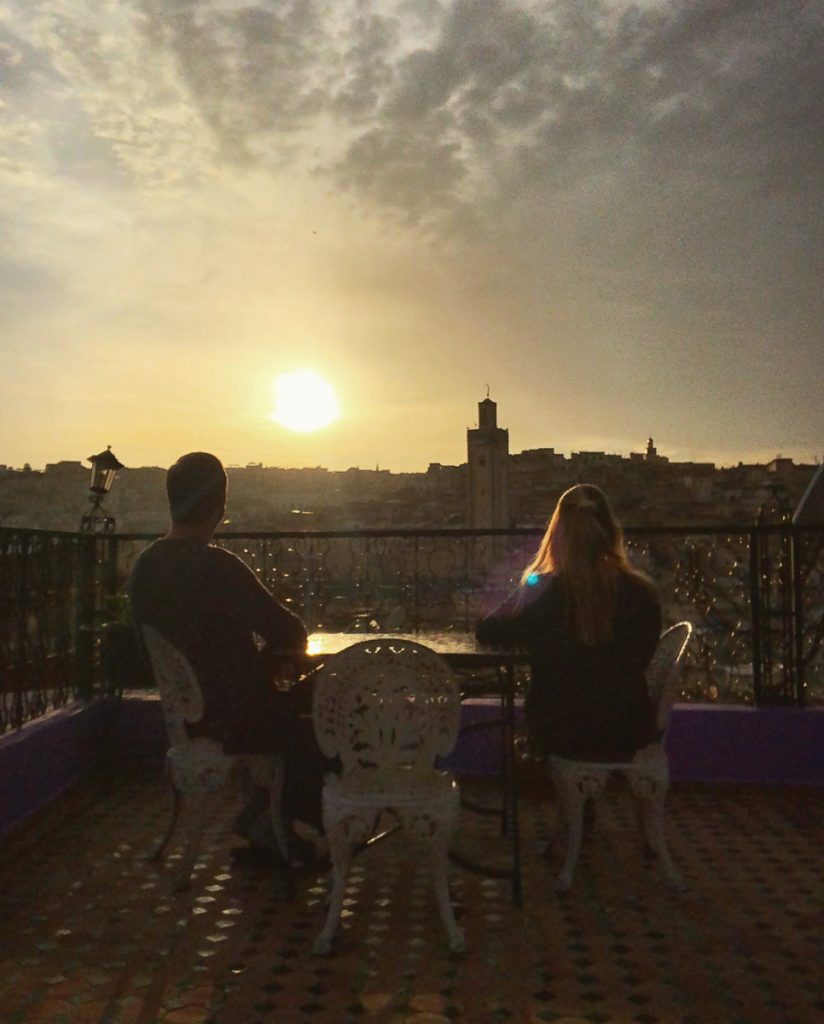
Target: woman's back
<point x="586" y="701"/>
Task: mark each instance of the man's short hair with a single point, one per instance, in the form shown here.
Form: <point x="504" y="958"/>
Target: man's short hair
<point x="196" y="487"/>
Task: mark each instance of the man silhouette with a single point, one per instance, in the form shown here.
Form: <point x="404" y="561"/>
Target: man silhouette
<point x="212" y="607"/>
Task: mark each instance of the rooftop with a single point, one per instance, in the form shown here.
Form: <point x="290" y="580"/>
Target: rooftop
<point x="92" y="933"/>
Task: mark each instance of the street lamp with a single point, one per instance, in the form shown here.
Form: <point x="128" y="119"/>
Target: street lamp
<point x="104" y="469"/>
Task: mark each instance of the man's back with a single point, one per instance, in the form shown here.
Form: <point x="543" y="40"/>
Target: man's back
<point x="210" y="605"/>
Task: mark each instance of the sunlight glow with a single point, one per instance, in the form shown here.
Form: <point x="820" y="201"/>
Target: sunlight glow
<point x="304" y="401"/>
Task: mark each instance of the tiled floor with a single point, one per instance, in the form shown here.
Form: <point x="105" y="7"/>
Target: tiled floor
<point x="91" y="934"/>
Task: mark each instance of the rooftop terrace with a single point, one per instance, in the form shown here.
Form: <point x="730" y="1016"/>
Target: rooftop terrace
<point x="92" y="934"/>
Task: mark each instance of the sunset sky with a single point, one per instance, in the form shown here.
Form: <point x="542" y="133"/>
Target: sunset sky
<point x="610" y="213"/>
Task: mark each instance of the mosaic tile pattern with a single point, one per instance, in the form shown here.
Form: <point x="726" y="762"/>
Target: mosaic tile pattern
<point x="92" y="934"/>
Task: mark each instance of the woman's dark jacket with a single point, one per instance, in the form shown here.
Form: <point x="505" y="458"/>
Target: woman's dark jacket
<point x="585" y="703"/>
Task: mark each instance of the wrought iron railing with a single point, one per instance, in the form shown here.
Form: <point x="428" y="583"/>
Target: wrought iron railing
<point x="53" y="589"/>
<point x="755" y="596"/>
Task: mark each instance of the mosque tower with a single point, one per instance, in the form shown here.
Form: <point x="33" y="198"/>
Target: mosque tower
<point x="487" y="458"/>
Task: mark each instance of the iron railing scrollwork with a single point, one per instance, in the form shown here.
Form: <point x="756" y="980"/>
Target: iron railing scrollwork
<point x="52" y="587"/>
<point x="808" y="611"/>
<point x="754" y="594"/>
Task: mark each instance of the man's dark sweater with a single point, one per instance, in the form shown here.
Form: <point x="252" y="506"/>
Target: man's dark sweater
<point x="210" y="605"/>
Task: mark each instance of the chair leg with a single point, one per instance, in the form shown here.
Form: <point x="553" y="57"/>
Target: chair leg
<point x="573" y="802"/>
<point x="196" y="814"/>
<point x="158" y="853"/>
<point x="576" y="782"/>
<point x="558" y="832"/>
<point x="281" y="834"/>
<point x="560" y="800"/>
<point x="639" y="815"/>
<point x="276" y="810"/>
<point x="439" y="848"/>
<point x="340" y="849"/>
<point x="653" y="806"/>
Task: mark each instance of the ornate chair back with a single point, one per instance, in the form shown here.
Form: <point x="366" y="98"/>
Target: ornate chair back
<point x="663" y="674"/>
<point x="388" y="709"/>
<point x="180" y="694"/>
<point x="200" y="766"/>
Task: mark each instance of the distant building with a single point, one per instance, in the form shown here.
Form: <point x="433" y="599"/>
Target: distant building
<point x="66" y="468"/>
<point x="487" y="458"/>
<point x="493" y="489"/>
<point x="652" y="453"/>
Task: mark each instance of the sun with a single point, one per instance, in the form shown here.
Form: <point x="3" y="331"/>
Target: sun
<point x="304" y="401"/>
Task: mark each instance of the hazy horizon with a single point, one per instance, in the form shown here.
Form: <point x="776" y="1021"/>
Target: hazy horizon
<point x="252" y="463"/>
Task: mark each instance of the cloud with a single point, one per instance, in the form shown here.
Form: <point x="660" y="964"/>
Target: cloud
<point x="366" y="70"/>
<point x="92" y="83"/>
<point x="251" y="70"/>
<point x="487" y="105"/>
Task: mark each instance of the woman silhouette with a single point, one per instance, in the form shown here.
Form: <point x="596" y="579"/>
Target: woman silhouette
<point x="591" y="623"/>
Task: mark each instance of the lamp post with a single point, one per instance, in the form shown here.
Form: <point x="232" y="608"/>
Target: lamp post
<point x="104" y="469"/>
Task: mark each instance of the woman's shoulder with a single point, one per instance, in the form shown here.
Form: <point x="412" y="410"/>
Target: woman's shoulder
<point x="541" y="589"/>
<point x="521" y="608"/>
<point x="639" y="586"/>
<point x="540" y="583"/>
<point x="639" y="604"/>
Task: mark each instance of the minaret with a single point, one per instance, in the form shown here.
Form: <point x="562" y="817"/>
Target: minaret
<point x="487" y="457"/>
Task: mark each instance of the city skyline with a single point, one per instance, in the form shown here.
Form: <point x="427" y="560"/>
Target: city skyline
<point x="627" y="456"/>
<point x="609" y="214"/>
<point x="486" y="491"/>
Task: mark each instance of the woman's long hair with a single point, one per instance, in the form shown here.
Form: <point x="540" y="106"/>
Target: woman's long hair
<point x="584" y="546"/>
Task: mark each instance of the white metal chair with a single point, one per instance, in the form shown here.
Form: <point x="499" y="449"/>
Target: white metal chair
<point x="198" y="767"/>
<point x="647" y="773"/>
<point x="388" y="708"/>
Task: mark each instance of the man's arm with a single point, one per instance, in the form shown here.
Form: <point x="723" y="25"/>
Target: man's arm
<point x="247" y="602"/>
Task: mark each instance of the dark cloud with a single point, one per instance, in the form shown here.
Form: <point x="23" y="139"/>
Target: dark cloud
<point x="488" y="104"/>
<point x="686" y="148"/>
<point x="412" y="172"/>
<point x="712" y="90"/>
<point x="366" y="71"/>
<point x="709" y="95"/>
<point x="250" y="71"/>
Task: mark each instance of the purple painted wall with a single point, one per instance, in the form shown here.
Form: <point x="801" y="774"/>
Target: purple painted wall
<point x="706" y="743"/>
<point x="40" y="761"/>
<point x="728" y="743"/>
